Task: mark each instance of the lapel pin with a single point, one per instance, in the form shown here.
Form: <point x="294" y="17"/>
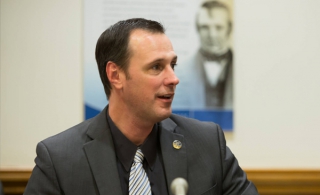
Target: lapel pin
<point x="177" y="144"/>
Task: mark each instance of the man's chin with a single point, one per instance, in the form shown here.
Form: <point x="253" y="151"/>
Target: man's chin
<point x="163" y="114"/>
<point x="218" y="51"/>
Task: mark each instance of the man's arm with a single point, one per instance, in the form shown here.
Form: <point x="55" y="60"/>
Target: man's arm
<point x="43" y="179"/>
<point x="234" y="178"/>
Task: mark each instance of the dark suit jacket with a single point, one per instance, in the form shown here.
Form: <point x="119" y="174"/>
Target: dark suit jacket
<point x="82" y="160"/>
<point x="1" y="189"/>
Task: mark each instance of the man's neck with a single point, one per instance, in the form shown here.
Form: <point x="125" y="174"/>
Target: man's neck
<point x="134" y="128"/>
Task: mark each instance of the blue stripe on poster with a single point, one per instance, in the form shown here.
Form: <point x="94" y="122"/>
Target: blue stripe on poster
<point x="90" y="112"/>
<point x="223" y="118"/>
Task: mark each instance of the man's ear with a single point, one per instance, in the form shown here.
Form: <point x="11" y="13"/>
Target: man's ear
<point x="114" y="75"/>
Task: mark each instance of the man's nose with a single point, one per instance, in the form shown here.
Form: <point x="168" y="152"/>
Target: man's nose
<point x="171" y="78"/>
<point x="212" y="32"/>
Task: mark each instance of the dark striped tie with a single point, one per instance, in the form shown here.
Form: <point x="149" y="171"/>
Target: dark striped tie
<point x="138" y="180"/>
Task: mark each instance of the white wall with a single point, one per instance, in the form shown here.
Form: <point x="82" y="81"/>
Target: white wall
<point x="277" y="87"/>
<point x="41" y="75"/>
<point x="277" y="84"/>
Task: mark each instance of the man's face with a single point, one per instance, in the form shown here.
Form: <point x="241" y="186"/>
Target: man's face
<point x="213" y="28"/>
<point x="149" y="90"/>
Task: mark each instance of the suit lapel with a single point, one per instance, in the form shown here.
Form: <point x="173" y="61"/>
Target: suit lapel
<point x="101" y="156"/>
<point x="175" y="160"/>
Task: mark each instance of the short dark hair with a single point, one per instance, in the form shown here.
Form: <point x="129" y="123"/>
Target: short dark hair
<point x="113" y="44"/>
<point x="214" y="4"/>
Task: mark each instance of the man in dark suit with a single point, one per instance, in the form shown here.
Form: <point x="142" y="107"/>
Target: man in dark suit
<point x="214" y="57"/>
<point x="98" y="156"/>
<point x="211" y="68"/>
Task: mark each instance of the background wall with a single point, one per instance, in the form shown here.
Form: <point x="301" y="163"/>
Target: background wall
<point x="41" y="75"/>
<point x="277" y="87"/>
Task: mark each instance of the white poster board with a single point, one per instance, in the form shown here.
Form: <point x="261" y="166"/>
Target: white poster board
<point x="181" y="20"/>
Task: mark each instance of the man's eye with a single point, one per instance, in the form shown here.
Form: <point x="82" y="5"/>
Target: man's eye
<point x="173" y="66"/>
<point x="156" y="67"/>
<point x="204" y="28"/>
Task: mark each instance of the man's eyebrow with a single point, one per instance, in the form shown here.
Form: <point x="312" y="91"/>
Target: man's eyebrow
<point x="174" y="59"/>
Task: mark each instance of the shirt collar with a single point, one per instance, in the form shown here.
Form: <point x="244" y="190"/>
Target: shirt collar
<point x="214" y="57"/>
<point x="126" y="150"/>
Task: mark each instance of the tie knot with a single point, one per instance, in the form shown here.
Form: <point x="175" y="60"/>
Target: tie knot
<point x="138" y="158"/>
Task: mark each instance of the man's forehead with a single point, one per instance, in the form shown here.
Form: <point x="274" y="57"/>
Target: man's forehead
<point x="144" y="38"/>
<point x="143" y="43"/>
<point x="210" y="14"/>
<point x="138" y="36"/>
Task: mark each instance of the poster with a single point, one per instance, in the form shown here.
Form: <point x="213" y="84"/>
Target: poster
<point x="201" y="34"/>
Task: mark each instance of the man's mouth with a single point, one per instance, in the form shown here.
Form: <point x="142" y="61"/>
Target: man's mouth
<point x="168" y="96"/>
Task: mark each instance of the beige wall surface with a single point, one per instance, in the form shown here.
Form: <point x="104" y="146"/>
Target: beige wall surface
<point x="277" y="87"/>
<point x="41" y="75"/>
